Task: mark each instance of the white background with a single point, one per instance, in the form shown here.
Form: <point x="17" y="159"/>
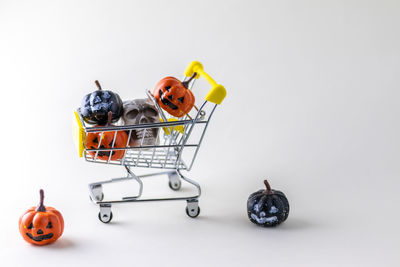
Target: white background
<point x="312" y="105"/>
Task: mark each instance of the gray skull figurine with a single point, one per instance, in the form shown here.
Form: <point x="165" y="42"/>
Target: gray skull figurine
<point x="141" y="111"/>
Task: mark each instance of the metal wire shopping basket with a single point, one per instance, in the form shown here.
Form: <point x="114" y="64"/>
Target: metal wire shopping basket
<point x="177" y="143"/>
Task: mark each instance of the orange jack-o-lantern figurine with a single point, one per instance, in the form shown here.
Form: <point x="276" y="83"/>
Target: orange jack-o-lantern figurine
<point x="41" y="225"/>
<point x="106" y="140"/>
<point x="174" y="96"/>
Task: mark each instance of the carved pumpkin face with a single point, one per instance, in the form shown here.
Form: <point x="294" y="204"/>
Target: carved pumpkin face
<point x="106" y="141"/>
<point x="267" y="207"/>
<point x="173" y="96"/>
<point x="95" y="106"/>
<point x="41" y="225"/>
<point x="93" y="139"/>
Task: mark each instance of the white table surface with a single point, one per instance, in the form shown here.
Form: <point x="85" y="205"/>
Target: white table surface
<point x="312" y="105"/>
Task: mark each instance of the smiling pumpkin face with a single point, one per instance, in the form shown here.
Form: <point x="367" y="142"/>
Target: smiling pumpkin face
<point x="41" y="225"/>
<point x="267" y="207"/>
<point x="107" y="141"/>
<point x="173" y="96"/>
<point x="103" y="140"/>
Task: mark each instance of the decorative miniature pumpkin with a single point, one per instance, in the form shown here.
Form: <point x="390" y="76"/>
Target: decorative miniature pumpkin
<point x="106" y="141"/>
<point x="41" y="225"/>
<point x="174" y="96"/>
<point x="95" y="106"/>
<point x="267" y="207"/>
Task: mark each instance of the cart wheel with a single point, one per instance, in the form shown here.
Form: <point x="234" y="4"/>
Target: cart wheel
<point x="175" y="185"/>
<point x="193" y="212"/>
<point x="97" y="192"/>
<point x="100" y="198"/>
<point x="105" y="218"/>
<point x="174" y="181"/>
<point x="192" y="208"/>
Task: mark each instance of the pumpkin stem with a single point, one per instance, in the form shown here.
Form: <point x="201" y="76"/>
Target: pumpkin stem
<point x="109" y="118"/>
<point x="268" y="190"/>
<point x="186" y="83"/>
<point x="41" y="207"/>
<point x="98" y="85"/>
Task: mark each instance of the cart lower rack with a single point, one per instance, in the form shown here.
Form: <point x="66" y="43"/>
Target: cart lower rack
<point x="174" y="147"/>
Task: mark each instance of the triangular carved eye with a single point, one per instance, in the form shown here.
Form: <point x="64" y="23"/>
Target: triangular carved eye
<point x="30" y="226"/>
<point x="49" y="225"/>
<point x="180" y="99"/>
<point x="168" y="88"/>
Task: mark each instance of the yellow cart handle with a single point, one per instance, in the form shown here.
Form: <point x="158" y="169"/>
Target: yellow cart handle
<point x="217" y="92"/>
<point x="78" y="133"/>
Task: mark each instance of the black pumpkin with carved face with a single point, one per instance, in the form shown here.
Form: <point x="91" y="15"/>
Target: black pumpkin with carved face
<point x="95" y="106"/>
<point x="267" y="207"/>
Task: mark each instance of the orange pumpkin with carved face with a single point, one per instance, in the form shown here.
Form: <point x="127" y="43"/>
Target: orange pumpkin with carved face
<point x="93" y="140"/>
<point x="103" y="140"/>
<point x="174" y="96"/>
<point x="41" y="225"/>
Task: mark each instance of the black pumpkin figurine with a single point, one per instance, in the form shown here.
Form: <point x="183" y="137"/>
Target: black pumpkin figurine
<point x="267" y="207"/>
<point x="95" y="106"/>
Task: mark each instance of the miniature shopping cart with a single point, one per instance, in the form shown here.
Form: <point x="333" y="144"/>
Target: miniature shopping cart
<point x="175" y="150"/>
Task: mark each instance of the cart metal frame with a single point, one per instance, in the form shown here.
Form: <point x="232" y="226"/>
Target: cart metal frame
<point x="173" y="138"/>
